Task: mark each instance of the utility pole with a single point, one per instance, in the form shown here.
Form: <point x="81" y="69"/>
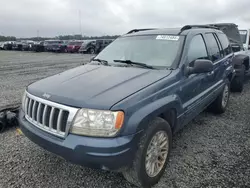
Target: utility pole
<point x="80" y="22"/>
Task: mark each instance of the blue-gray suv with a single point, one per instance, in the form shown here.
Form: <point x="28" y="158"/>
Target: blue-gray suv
<point x="119" y="112"/>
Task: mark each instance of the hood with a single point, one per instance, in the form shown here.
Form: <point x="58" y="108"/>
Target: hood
<point x="93" y="86"/>
<point x="232" y="32"/>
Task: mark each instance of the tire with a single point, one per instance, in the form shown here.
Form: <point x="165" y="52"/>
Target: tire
<point x="2" y="122"/>
<point x="237" y="83"/>
<point x="92" y="51"/>
<point x="221" y="102"/>
<point x="137" y="173"/>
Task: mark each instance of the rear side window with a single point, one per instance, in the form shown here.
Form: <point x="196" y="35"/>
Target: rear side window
<point x="197" y="49"/>
<point x="213" y="46"/>
<point x="225" y="43"/>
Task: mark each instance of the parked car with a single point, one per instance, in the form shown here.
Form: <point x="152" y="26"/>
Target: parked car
<point x="54" y="45"/>
<point x="8" y="45"/>
<point x="88" y="46"/>
<point x="101" y="44"/>
<point x="17" y="46"/>
<point x="245" y="38"/>
<point x="60" y="47"/>
<point x="38" y="46"/>
<point x="74" y="46"/>
<point x="3" y="45"/>
<point x="241" y="60"/>
<point x="133" y="96"/>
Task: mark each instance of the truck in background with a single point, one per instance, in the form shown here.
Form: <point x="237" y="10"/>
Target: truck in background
<point x="244" y="35"/>
<point x="241" y="55"/>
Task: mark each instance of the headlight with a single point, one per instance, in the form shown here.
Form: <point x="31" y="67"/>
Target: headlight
<point x="23" y="101"/>
<point x="97" y="123"/>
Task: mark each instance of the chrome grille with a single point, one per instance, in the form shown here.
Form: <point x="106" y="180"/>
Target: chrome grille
<point x="48" y="116"/>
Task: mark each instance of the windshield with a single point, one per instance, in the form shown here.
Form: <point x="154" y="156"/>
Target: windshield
<point x="153" y="50"/>
<point x="243" y="35"/>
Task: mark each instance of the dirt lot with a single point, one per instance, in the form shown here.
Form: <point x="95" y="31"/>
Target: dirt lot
<point x="212" y="151"/>
<point x="18" y="69"/>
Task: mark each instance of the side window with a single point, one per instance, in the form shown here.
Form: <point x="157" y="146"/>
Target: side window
<point x="225" y="43"/>
<point x="197" y="49"/>
<point x="220" y="47"/>
<point x="213" y="46"/>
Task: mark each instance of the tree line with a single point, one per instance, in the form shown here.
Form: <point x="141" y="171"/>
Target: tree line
<point x="7" y="38"/>
<point x="60" y="37"/>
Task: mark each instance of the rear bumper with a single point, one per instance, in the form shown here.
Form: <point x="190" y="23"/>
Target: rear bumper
<point x="100" y="153"/>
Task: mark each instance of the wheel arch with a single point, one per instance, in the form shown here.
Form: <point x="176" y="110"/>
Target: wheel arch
<point x="166" y="108"/>
<point x="240" y="59"/>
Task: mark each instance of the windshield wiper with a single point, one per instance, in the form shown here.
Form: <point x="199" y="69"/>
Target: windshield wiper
<point x="103" y="62"/>
<point x="129" y="62"/>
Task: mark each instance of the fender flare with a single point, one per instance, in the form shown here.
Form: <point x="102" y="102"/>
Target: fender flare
<point x="138" y="121"/>
<point x="240" y="59"/>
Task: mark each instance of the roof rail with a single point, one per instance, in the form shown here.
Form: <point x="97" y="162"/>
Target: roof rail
<point x="137" y="30"/>
<point x="186" y="27"/>
<point x="222" y="24"/>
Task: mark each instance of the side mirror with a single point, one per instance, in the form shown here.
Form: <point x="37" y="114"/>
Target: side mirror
<point x="201" y="66"/>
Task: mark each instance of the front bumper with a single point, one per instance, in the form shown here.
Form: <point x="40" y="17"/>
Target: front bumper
<point x="100" y="153"/>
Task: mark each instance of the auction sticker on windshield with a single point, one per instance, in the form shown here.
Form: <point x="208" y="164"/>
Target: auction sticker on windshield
<point x="167" y="37"/>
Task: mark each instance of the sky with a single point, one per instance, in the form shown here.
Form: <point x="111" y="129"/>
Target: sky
<point x="49" y="18"/>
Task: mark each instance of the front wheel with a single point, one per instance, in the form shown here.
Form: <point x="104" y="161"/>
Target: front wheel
<point x="152" y="155"/>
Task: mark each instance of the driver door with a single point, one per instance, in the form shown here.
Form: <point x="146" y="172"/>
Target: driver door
<point x="193" y="85"/>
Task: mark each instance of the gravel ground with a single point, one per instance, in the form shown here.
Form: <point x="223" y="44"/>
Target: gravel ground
<point x="19" y="69"/>
<point x="212" y="151"/>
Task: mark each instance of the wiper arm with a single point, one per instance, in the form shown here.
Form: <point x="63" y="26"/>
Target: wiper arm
<point x="129" y="62"/>
<point x="103" y="62"/>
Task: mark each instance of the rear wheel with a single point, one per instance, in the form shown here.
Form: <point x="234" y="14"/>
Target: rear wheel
<point x="92" y="51"/>
<point x="237" y="83"/>
<point x="220" y="104"/>
<point x="152" y="155"/>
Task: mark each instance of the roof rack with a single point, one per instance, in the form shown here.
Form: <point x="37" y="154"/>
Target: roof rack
<point x="222" y="24"/>
<point x="137" y="30"/>
<point x="186" y="27"/>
